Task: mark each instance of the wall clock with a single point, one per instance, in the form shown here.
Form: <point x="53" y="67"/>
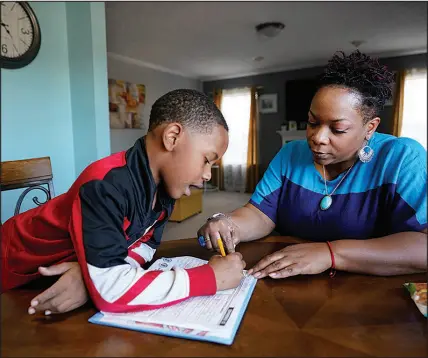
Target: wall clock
<point x="20" y="34"/>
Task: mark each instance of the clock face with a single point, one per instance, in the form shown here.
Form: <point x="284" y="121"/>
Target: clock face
<point x="20" y="34"/>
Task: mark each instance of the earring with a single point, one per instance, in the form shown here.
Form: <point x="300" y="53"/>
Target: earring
<point x="366" y="153"/>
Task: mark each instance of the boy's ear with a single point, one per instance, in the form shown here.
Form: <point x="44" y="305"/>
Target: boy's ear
<point x="172" y="134"/>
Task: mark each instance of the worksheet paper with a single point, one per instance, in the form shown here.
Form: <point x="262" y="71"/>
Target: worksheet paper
<point x="218" y="314"/>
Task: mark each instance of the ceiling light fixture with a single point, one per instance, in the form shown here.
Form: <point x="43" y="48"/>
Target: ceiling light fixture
<point x="258" y="58"/>
<point x="270" y="29"/>
<point x="357" y="43"/>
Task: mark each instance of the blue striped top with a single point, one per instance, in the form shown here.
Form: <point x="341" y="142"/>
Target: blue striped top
<point x="384" y="196"/>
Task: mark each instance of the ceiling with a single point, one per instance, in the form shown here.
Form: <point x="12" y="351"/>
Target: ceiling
<point x="213" y="40"/>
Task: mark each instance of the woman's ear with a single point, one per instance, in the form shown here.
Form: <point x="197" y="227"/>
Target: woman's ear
<point x="172" y="134"/>
<point x="372" y="126"/>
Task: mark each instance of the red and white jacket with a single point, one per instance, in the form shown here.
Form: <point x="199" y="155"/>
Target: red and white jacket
<point x="106" y="220"/>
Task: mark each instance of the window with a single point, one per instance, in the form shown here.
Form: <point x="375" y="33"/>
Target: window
<point x="236" y="109"/>
<point x="414" y="124"/>
<point x="236" y="106"/>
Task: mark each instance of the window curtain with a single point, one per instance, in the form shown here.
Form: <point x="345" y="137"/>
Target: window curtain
<point x="398" y="103"/>
<point x="252" y="154"/>
<point x="217" y="98"/>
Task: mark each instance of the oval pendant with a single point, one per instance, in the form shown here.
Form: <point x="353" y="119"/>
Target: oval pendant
<point x="326" y="202"/>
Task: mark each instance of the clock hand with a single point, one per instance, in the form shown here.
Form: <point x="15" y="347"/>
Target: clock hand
<point x="7" y="30"/>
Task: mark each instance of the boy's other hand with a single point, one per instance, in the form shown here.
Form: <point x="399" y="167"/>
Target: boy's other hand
<point x="228" y="270"/>
<point x="67" y="294"/>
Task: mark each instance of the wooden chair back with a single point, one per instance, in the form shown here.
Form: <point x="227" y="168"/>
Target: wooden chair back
<point x="31" y="174"/>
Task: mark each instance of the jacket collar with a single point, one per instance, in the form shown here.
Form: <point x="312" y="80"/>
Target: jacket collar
<point x="138" y="163"/>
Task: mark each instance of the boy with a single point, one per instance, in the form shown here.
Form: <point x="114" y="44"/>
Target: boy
<point x="113" y="216"/>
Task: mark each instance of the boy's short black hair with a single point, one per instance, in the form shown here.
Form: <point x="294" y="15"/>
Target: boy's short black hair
<point x="365" y="76"/>
<point x="191" y="108"/>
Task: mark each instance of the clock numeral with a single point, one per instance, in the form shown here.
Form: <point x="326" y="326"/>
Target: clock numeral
<point x="25" y="31"/>
<point x="4" y="49"/>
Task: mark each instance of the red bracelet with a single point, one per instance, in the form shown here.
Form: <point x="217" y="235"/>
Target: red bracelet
<point x="333" y="263"/>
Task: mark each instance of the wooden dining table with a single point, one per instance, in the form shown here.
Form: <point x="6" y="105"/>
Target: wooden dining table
<point x="348" y="315"/>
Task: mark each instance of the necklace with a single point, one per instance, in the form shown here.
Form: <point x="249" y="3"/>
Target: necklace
<point x="327" y="200"/>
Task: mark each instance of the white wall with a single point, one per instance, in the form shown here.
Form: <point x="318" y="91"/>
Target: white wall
<point x="157" y="84"/>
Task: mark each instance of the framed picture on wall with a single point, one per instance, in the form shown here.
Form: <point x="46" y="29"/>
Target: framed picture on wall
<point x="126" y="104"/>
<point x="268" y="103"/>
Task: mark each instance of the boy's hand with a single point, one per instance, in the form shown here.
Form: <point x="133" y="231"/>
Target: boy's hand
<point x="220" y="227"/>
<point x="68" y="293"/>
<point x="228" y="270"/>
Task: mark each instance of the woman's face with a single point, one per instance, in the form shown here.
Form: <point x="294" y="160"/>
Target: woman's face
<point x="336" y="129"/>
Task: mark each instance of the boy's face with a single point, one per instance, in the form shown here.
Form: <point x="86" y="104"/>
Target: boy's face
<point x="191" y="157"/>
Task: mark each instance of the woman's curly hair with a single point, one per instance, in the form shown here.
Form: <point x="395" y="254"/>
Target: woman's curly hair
<point x="363" y="75"/>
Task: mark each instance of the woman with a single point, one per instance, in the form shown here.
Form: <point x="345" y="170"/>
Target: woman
<point x="363" y="191"/>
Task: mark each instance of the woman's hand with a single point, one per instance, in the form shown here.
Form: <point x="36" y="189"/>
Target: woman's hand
<point x="220" y="227"/>
<point x="67" y="294"/>
<point x="300" y="259"/>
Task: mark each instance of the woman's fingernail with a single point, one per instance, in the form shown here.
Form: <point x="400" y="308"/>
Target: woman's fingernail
<point x="47" y="313"/>
<point x="273" y="274"/>
<point x="257" y="274"/>
<point x="250" y="271"/>
<point x="31" y="310"/>
<point x="34" y="303"/>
